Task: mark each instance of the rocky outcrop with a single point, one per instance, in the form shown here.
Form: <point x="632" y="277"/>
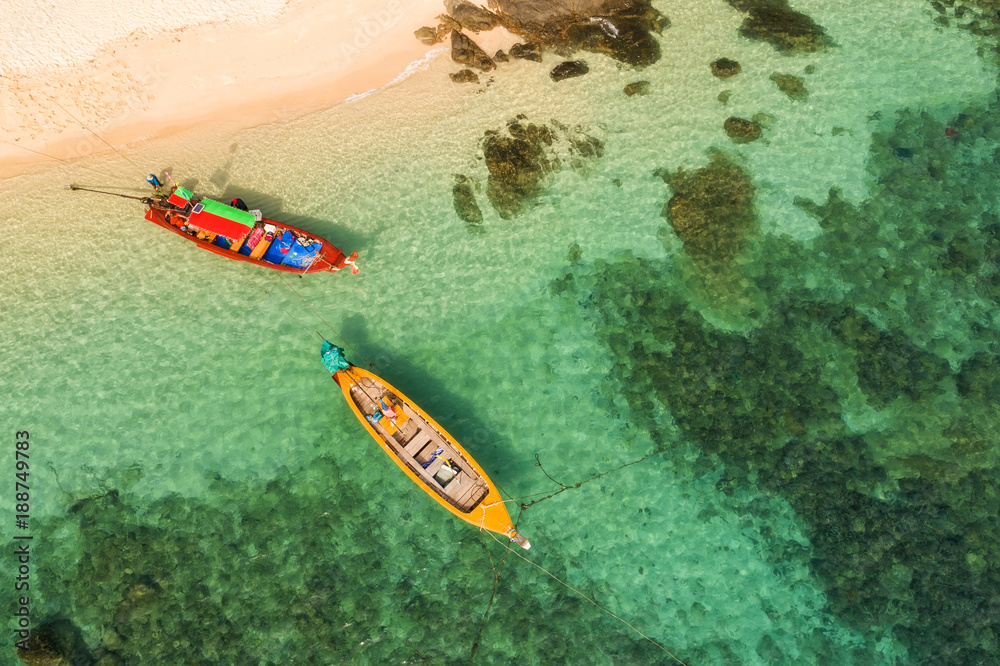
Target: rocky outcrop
<point x="622" y="29"/>
<point x="464" y="51"/>
<point x="723" y="68"/>
<point x="569" y="70"/>
<point x="787" y="30"/>
<point x="471" y="17"/>
<point x="428" y="36"/>
<point x="529" y="51"/>
<point x="793" y="86"/>
<point x="711" y="209"/>
<point x="741" y="130"/>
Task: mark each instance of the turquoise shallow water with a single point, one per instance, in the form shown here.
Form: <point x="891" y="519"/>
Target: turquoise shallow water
<point x="821" y="406"/>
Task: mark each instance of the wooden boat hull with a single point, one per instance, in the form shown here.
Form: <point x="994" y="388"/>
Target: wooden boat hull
<point x="487" y="511"/>
<point x="330" y="257"/>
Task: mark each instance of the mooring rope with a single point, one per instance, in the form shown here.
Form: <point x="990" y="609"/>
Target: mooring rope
<point x="568" y="586"/>
<point x="564" y="488"/>
<point x="339" y="336"/>
<point x="308" y="330"/>
<point x="59" y="159"/>
<point x="96" y="135"/>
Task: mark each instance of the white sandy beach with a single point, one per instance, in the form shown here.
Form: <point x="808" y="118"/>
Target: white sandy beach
<point x="132" y="72"/>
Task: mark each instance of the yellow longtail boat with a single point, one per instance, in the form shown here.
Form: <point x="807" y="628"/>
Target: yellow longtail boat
<point x="423" y="449"/>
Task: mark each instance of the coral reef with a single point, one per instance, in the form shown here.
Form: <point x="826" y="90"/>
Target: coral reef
<point x="232" y="579"/>
<point x="518" y="165"/>
<point x="711" y="209"/>
<point x="520" y="161"/>
<point x="741" y="130"/>
<point x="465" y="202"/>
<point x="886" y="316"/>
<point x="793" y="86"/>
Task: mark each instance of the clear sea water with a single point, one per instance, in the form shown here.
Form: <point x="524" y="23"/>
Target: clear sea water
<point x="200" y="493"/>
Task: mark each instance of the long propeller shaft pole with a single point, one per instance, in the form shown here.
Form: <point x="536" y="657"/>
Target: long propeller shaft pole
<point x="114" y="194"/>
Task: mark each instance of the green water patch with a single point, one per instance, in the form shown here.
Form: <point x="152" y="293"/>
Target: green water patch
<point x="893" y="552"/>
<point x="296" y="570"/>
<point x="859" y="387"/>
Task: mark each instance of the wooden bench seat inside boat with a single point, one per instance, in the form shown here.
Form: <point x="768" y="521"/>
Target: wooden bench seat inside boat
<point x="415" y="442"/>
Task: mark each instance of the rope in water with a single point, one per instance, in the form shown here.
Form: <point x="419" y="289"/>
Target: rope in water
<point x="308" y="330"/>
<point x="564" y="488"/>
<point x="493" y="596"/>
<point x="567" y="585"/>
<point x="339" y="337"/>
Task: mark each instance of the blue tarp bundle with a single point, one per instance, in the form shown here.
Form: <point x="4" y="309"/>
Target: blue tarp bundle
<point x="332" y="357"/>
<point x="279" y="248"/>
<point x="301" y="256"/>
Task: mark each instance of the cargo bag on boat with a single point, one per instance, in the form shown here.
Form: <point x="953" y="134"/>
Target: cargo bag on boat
<point x="301" y="256"/>
<point x="252" y="241"/>
<point x="279" y="248"/>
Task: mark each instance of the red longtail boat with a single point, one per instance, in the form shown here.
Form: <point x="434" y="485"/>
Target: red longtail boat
<point x="246" y="235"/>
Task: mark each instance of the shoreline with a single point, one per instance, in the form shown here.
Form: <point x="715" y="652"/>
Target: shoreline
<point x="152" y="86"/>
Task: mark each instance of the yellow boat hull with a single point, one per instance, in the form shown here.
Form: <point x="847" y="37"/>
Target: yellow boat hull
<point x="489" y="513"/>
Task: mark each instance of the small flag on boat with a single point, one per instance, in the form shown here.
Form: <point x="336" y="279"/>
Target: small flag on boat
<point x="180" y="197"/>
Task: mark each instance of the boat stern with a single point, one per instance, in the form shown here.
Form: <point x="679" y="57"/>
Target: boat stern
<point x="337" y="260"/>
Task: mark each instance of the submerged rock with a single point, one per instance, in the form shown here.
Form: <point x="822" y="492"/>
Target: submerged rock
<point x="711" y="209"/>
<point x="518" y="166"/>
<point x="464" y="51"/>
<point x="528" y="51"/>
<point x="741" y="130"/>
<point x="723" y="68"/>
<point x="464" y="76"/>
<point x="56" y="642"/>
<point x="568" y="70"/>
<point x="793" y="86"/>
<point x="500" y="56"/>
<point x="470" y="16"/>
<point x="637" y="88"/>
<point x="465" y="201"/>
<point x="774" y="22"/>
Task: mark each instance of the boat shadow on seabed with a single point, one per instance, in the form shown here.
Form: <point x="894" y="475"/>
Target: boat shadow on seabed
<point x="438" y="397"/>
<point x="273" y="207"/>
